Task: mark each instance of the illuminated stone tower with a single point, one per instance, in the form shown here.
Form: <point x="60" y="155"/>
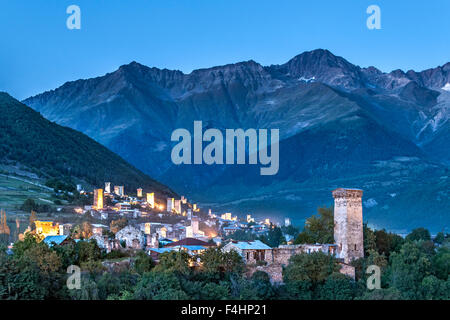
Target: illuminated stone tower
<point x="148" y="228"/>
<point x="107" y="187"/>
<point x="170" y="204"/>
<point x="287" y="222"/>
<point x="348" y="223"/>
<point x="194" y="225"/>
<point x="98" y="198"/>
<point x="118" y="190"/>
<point x="151" y="199"/>
<point x="4" y="229"/>
<point x="177" y="206"/>
<point x="139" y="193"/>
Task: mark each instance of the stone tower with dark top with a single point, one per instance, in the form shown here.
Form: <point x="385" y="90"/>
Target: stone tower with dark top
<point x="348" y="223"/>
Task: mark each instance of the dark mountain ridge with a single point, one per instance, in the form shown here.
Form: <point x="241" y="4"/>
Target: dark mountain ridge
<point x="53" y="151"/>
<point x="339" y="123"/>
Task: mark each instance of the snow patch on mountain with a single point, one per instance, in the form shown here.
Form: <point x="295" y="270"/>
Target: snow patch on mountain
<point x="440" y="115"/>
<point x="307" y="79"/>
<point x="446" y="87"/>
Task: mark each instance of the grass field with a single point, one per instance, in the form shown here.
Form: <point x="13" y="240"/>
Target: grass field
<point x="14" y="191"/>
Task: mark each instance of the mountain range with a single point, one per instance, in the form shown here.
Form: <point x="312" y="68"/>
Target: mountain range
<point x="36" y="147"/>
<point x="340" y="125"/>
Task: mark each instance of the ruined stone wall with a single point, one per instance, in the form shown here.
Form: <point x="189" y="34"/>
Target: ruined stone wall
<point x="268" y="256"/>
<point x="129" y="234"/>
<point x="348" y="270"/>
<point x="275" y="271"/>
<point x="282" y="255"/>
<point x="117" y="266"/>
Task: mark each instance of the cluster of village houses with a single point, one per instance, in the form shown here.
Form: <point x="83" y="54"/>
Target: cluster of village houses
<point x="187" y="234"/>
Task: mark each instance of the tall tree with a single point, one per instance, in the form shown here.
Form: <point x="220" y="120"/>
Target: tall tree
<point x="408" y="268"/>
<point x="419" y="234"/>
<point x="319" y="228"/>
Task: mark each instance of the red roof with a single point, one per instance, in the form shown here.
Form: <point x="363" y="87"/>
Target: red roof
<point x="189" y="242"/>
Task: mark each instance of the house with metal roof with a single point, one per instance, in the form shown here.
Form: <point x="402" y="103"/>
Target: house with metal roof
<point x="164" y="241"/>
<point x="56" y="240"/>
<point x="156" y="252"/>
<point x="231" y="229"/>
<point x="189" y="242"/>
<point x="192" y="250"/>
<point x="250" y="251"/>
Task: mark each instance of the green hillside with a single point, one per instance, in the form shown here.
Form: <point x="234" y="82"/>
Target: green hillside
<point x="28" y="140"/>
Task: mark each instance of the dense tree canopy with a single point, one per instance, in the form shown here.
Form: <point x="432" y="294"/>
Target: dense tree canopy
<point x="415" y="268"/>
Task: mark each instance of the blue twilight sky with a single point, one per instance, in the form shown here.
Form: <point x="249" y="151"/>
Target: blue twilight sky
<point x="39" y="53"/>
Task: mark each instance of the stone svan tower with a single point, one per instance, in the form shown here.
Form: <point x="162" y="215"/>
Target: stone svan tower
<point x="348" y="223"/>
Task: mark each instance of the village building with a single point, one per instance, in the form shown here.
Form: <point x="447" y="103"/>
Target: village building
<point x="46" y="228"/>
<point x="123" y="206"/>
<point x="105" y="215"/>
<point x="164" y="241"/>
<point x="243" y="224"/>
<point x="146" y="228"/>
<point x="57" y="240"/>
<point x="100" y="239"/>
<point x="111" y="245"/>
<point x="230" y="230"/>
<point x="119" y="190"/>
<point x="98" y="228"/>
<point x="64" y="229"/>
<point x="193" y="230"/>
<point x="189" y="249"/>
<point x="154" y="253"/>
<point x="189" y="242"/>
<point x="217" y="240"/>
<point x="228" y="217"/>
<point x="152" y="241"/>
<point x="250" y="251"/>
<point x="258" y="228"/>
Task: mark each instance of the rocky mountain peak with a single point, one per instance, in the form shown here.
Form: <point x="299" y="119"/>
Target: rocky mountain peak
<point x="321" y="65"/>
